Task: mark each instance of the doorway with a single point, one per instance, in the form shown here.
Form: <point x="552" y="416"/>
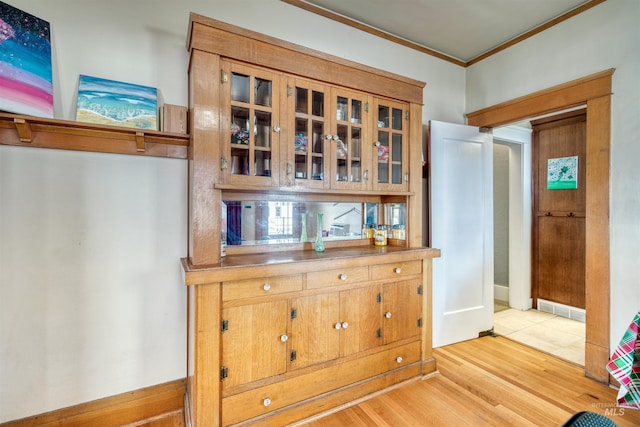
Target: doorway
<point x="548" y="332"/>
<point x="595" y="92"/>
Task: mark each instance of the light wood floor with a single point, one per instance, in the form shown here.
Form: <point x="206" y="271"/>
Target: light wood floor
<point x="490" y="381"/>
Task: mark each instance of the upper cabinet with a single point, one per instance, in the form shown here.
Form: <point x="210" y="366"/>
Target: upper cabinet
<point x="296" y="119"/>
<point x="276" y="122"/>
<point x="351" y="141"/>
<point x="391" y="170"/>
<point x="307" y="160"/>
<point x="250" y="124"/>
<point x="284" y="131"/>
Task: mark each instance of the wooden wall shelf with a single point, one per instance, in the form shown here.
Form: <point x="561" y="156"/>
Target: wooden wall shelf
<point x="28" y="131"/>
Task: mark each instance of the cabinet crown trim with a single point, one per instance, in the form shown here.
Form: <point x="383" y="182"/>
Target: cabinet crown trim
<point x="229" y="41"/>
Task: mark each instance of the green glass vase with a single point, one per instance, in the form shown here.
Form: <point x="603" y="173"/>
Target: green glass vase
<point x="319" y="246"/>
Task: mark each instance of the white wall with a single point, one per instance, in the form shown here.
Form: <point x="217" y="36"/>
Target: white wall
<point x="91" y="298"/>
<point x="606" y="36"/>
<point x="143" y="42"/>
<point x="91" y="303"/>
<point x="501" y="156"/>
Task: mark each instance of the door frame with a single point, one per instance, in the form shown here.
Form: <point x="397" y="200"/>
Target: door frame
<point x="595" y="92"/>
<point x="518" y="139"/>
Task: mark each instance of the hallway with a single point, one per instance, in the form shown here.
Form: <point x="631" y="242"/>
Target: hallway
<point x="546" y="332"/>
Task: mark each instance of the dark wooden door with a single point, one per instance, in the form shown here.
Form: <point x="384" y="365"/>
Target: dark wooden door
<point x="559" y="209"/>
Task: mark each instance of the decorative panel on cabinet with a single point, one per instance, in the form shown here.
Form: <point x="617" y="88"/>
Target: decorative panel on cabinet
<point x="315" y="329"/>
<point x="254" y="342"/>
<point x="261" y="287"/>
<point x="360" y="310"/>
<point x="402" y="307"/>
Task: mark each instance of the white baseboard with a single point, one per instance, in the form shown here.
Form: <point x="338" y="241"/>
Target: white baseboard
<point x="501" y="293"/>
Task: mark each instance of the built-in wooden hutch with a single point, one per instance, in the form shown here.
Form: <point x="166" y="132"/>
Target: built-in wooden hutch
<point x="277" y="331"/>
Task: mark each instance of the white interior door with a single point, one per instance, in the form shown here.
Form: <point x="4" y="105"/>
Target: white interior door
<point x="461" y="188"/>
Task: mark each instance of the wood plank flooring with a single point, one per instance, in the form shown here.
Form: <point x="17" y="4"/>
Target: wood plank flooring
<point x="490" y="381"/>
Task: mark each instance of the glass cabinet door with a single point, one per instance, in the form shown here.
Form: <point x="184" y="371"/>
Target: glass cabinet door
<point x="350" y="159"/>
<point x="307" y="163"/>
<point x="250" y="125"/>
<point x="392" y="139"/>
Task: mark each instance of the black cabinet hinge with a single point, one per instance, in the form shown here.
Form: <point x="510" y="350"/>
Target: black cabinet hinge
<point x="379" y="298"/>
<point x="293" y="355"/>
<point x="294" y="313"/>
<point x="224" y="325"/>
<point x="420" y="322"/>
<point x="379" y="333"/>
<point x="420" y="290"/>
<point x="224" y="372"/>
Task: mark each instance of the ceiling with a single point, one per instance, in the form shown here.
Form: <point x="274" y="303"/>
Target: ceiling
<point x="460" y="29"/>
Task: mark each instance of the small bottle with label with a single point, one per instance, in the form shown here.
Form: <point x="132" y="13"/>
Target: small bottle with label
<point x="399" y="232"/>
<point x="380" y="236"/>
<point x="368" y="231"/>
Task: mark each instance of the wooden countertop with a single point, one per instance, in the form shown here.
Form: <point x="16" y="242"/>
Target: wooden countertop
<point x="239" y="267"/>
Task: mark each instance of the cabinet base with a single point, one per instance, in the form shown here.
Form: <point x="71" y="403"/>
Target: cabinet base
<point x="334" y="401"/>
<point x="429" y="367"/>
<point x="354" y="402"/>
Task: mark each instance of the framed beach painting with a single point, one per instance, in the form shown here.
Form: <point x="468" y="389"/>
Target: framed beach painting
<point x="110" y="102"/>
<point x="25" y="63"/>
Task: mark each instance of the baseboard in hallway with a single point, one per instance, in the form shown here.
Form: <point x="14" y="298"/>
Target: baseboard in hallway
<point x="556" y="335"/>
<point x="499" y="305"/>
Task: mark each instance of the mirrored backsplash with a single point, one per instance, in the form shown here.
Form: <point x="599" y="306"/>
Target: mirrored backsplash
<point x="259" y="222"/>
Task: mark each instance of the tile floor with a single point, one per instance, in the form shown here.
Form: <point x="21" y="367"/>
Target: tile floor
<point x="547" y="332"/>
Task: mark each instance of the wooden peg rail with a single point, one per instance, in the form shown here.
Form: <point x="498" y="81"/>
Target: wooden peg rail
<point x="39" y="132"/>
<point x="24" y="130"/>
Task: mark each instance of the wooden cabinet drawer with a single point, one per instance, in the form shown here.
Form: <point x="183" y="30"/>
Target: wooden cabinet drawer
<point x="250" y="288"/>
<point x="262" y="400"/>
<point x="396" y="270"/>
<point x="343" y="276"/>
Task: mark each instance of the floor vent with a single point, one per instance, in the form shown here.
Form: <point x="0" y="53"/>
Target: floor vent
<point x="562" y="310"/>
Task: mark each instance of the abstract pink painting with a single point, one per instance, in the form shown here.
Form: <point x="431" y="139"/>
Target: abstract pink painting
<point x="25" y="63"/>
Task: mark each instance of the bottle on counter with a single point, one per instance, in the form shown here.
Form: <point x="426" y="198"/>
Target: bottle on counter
<point x="399" y="232"/>
<point x="380" y="236"/>
<point x="368" y="231"/>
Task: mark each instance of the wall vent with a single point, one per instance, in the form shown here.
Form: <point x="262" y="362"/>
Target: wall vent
<point x="562" y="310"/>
